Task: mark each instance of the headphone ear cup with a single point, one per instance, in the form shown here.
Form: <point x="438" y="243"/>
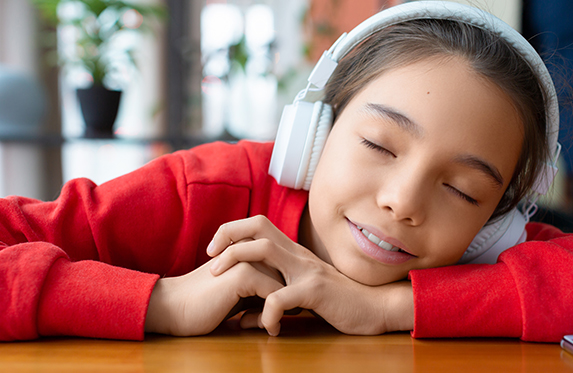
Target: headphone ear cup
<point x="301" y="136"/>
<point x="322" y="130"/>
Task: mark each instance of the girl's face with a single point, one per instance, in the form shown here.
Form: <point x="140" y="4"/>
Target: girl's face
<point x="417" y="161"/>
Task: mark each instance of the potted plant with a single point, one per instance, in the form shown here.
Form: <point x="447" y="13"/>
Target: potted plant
<point x="96" y="25"/>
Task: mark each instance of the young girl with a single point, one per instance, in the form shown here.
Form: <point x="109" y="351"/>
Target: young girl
<point x="440" y="128"/>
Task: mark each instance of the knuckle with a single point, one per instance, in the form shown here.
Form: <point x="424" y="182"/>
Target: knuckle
<point x="223" y="229"/>
<point x="260" y="220"/>
<point x="266" y="245"/>
<point x="274" y="300"/>
<point x="315" y="265"/>
<point x="230" y="253"/>
<point x="317" y="268"/>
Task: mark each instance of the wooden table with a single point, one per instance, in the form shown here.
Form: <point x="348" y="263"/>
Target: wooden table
<point x="305" y="345"/>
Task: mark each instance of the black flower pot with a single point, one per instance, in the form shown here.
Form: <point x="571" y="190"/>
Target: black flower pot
<point x="99" y="108"/>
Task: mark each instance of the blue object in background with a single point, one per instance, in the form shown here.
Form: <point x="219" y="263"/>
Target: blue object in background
<point x="548" y="24"/>
<point x="22" y="104"/>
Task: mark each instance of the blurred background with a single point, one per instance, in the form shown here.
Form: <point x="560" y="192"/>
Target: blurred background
<point x="172" y="74"/>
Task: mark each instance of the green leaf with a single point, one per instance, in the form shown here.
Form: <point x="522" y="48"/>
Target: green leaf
<point x="95" y="30"/>
<point x="95" y="6"/>
<point x="239" y="53"/>
<point x="48" y="9"/>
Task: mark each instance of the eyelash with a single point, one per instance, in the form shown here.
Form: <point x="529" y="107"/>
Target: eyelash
<point x="376" y="147"/>
<point x="462" y="195"/>
<point x="455" y="191"/>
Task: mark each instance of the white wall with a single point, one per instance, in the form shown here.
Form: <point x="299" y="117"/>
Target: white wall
<point x="17" y="35"/>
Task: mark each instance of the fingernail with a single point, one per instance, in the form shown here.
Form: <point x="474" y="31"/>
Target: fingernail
<point x="210" y="248"/>
<point x="275" y="332"/>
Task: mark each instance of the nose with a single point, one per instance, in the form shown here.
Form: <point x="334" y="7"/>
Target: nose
<point x="405" y="197"/>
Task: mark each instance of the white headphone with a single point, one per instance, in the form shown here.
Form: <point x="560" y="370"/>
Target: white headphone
<point x="304" y="125"/>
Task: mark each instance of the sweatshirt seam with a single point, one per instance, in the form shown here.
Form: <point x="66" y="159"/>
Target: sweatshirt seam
<point x="87" y="212"/>
<point x="42" y="296"/>
<point x="519" y="295"/>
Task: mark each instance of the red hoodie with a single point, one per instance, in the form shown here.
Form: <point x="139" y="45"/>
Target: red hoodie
<point x="86" y="263"/>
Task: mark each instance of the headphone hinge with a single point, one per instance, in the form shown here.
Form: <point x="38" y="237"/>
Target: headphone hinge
<point x="323" y="70"/>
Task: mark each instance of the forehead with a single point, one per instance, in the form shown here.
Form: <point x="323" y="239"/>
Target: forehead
<point x="456" y="110"/>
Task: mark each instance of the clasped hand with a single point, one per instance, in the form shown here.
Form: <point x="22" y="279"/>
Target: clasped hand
<point x="254" y="258"/>
<point x="311" y="283"/>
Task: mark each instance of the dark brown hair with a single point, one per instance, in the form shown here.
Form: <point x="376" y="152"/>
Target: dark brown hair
<point x="489" y="55"/>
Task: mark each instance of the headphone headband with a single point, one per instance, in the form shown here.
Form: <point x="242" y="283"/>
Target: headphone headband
<point x="444" y="10"/>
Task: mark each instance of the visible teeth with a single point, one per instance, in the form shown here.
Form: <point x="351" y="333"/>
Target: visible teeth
<point x="375" y="239"/>
<point x="386" y="246"/>
<point x="383" y="244"/>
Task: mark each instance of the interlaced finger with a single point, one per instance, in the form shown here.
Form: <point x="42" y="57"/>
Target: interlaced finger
<point x="286" y="298"/>
<point x="252" y="228"/>
<point x="261" y="250"/>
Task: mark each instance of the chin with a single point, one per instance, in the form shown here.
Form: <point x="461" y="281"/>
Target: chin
<point x="371" y="277"/>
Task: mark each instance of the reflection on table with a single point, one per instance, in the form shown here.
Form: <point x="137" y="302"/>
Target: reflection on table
<point x="306" y="344"/>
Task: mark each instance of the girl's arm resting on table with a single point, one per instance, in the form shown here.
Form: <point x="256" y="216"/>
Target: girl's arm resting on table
<point x="51" y="279"/>
<point x="44" y="294"/>
<point x="528" y="294"/>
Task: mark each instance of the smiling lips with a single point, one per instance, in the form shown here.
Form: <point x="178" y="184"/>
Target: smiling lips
<point x="378" y="249"/>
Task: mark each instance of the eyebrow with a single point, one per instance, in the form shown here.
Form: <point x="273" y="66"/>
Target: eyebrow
<point x="395" y="116"/>
<point x="483" y="166"/>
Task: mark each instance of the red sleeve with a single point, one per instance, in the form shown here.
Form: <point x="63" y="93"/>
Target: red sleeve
<point x="528" y="294"/>
<point x="43" y="293"/>
<point x="63" y="263"/>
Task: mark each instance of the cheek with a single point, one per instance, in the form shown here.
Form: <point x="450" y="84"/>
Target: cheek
<point x="342" y="165"/>
<point x="338" y="178"/>
<point x="322" y="190"/>
<point x="450" y="239"/>
<point x="330" y="188"/>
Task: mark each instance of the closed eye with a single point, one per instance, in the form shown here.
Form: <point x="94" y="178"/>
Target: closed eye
<point x="371" y="145"/>
<point x="462" y="195"/>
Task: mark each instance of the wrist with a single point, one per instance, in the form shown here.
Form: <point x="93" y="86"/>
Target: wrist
<point x="399" y="306"/>
<point x="156" y="320"/>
